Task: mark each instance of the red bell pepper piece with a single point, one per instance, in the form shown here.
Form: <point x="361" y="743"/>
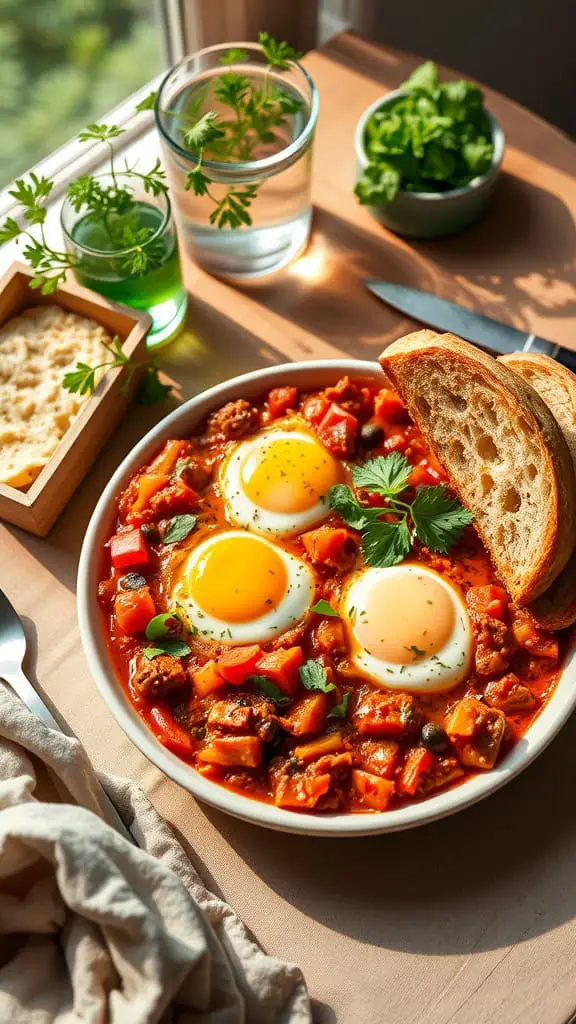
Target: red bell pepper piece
<point x="338" y="430"/>
<point x="169" y="732"/>
<point x="419" y="762"/>
<point x="129" y="550"/>
<point x="238" y="663"/>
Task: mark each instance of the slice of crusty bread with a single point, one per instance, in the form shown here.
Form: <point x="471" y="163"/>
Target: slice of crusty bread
<point x="556" y="608"/>
<point x="502" y="449"/>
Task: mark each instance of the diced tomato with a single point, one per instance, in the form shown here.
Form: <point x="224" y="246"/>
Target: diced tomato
<point x="281" y="667"/>
<point x="424" y="473"/>
<point x="329" y="637"/>
<point x="388" y="406"/>
<point x="129" y="550"/>
<point x="281" y="399"/>
<point x="207" y="679"/>
<point x="169" y="732"/>
<point x="147" y="486"/>
<point x="245" y="751"/>
<point x="396" y="442"/>
<point x="315" y="409"/>
<point x="338" y="430"/>
<point x="371" y="790"/>
<point x="238" y="663"/>
<point x="331" y="546"/>
<point x="419" y="762"/>
<point x="327" y="744"/>
<point x="134" y="609"/>
<point x="386" y="714"/>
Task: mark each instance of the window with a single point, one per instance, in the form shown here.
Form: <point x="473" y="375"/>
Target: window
<point x="65" y="63"/>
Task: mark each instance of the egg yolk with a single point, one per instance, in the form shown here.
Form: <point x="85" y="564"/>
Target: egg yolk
<point x="405" y="618"/>
<point x="238" y="579"/>
<point x="289" y="474"/>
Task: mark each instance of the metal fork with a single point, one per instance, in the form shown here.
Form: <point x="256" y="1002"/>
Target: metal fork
<point x="12" y="653"/>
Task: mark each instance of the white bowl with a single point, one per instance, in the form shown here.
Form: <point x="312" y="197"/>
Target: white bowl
<point x="181" y="423"/>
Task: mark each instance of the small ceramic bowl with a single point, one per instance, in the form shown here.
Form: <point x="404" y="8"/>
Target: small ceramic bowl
<point x="432" y="214"/>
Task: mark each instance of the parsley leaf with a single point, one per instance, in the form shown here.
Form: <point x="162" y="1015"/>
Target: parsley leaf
<point x="151" y="389"/>
<point x="179" y="528"/>
<point x="148" y="102"/>
<point x="384" y="474"/>
<point x="177" y="648"/>
<point x="197" y="135"/>
<point x="323" y="607"/>
<point x="385" y="544"/>
<point x="9" y="230"/>
<point x="313" y="677"/>
<point x="438" y="518"/>
<point x="269" y="689"/>
<point x="100" y="132"/>
<point x="342" y="499"/>
<point x="279" y="55"/>
<point x="340" y="710"/>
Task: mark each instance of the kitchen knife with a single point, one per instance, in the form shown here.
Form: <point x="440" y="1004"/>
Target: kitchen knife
<point x="475" y="327"/>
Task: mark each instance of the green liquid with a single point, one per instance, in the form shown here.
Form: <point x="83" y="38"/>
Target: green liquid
<point x="158" y="292"/>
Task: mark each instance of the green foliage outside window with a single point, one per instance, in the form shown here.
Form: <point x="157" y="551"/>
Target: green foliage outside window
<point x="65" y="63"/>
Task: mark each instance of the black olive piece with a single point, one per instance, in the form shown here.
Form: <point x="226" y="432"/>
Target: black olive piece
<point x="151" y="532"/>
<point x="132" y="581"/>
<point x="371" y="435"/>
<point x="434" y="738"/>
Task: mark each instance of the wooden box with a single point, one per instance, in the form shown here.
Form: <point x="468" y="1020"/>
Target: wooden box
<point x="37" y="508"/>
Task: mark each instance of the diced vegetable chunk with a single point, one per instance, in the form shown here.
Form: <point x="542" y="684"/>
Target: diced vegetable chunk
<point x="388" y="406"/>
<point x="147" y="486"/>
<point x="338" y="430"/>
<point x="245" y="751"/>
<point x="172" y="735"/>
<point x="327" y="744"/>
<point x="476" y="731"/>
<point x="207" y="679"/>
<point x="134" y="609"/>
<point x="238" y="663"/>
<point x="165" y="461"/>
<point x="281" y="667"/>
<point x="307" y="716"/>
<point x="528" y="635"/>
<point x="509" y="694"/>
<point x="377" y="757"/>
<point x="335" y="547"/>
<point x="419" y="763"/>
<point x="129" y="550"/>
<point x="371" y="790"/>
<point x="281" y="399"/>
<point x="386" y="714"/>
<point x="230" y="716"/>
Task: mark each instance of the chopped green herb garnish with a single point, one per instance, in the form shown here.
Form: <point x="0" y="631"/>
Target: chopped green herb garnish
<point x="177" y="648"/>
<point x="323" y="607"/>
<point x="269" y="689"/>
<point x="340" y="710"/>
<point x="179" y="528"/>
<point x="313" y="677"/>
<point x="163" y="625"/>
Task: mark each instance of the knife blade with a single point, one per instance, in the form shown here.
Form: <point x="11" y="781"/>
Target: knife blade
<point x="475" y="327"/>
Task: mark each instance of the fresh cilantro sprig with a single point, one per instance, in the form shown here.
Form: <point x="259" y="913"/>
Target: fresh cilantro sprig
<point x="434" y="137"/>
<point x="257" y="112"/>
<point x="313" y="676"/>
<point x="139" y="251"/>
<point x="434" y="516"/>
<point x="269" y="689"/>
<point x="82" y="380"/>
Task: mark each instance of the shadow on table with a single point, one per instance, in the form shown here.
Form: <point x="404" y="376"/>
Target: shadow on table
<point x="496" y="874"/>
<point x="519" y="261"/>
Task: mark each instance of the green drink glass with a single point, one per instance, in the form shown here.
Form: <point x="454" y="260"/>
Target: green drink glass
<point x="107" y="253"/>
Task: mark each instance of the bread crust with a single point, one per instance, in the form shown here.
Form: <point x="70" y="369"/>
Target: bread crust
<point x="556" y="384"/>
<point x="408" y="358"/>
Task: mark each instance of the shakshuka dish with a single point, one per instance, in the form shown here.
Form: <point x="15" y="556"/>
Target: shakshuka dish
<point x="298" y="607"/>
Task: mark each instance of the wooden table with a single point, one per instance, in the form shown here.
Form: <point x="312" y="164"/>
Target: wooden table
<point x="465" y="921"/>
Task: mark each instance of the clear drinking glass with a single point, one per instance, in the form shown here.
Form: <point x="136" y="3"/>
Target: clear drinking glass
<point x="273" y="153"/>
<point x="102" y="260"/>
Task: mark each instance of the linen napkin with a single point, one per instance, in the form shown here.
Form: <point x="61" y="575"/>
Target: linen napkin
<point x="95" y="929"/>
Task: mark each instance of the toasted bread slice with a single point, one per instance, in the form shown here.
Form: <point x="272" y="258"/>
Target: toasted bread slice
<point x="503" y="451"/>
<point x="556" y="608"/>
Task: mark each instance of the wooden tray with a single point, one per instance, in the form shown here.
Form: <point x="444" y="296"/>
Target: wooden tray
<point x="37" y="508"/>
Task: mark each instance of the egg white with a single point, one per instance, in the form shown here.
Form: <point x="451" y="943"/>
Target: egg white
<point x="437" y="673"/>
<point x="242" y="510"/>
<point x="291" y="609"/>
